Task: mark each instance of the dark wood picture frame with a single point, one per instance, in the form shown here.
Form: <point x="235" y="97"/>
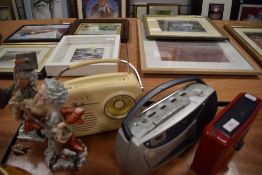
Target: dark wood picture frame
<point x="124" y="25"/>
<point x="25" y="30"/>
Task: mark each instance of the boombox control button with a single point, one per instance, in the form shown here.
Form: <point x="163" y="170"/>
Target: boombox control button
<point x="144" y="120"/>
<point x="151" y="154"/>
<point x="197" y="92"/>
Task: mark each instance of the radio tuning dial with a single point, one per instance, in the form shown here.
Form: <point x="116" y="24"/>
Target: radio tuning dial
<point x="118" y="106"/>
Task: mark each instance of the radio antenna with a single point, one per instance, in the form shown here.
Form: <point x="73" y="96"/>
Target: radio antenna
<point x="127" y="58"/>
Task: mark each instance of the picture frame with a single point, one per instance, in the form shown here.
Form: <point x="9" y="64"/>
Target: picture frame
<point x="103" y="26"/>
<point x="250" y="38"/>
<point x="250" y="12"/>
<point x="217" y="9"/>
<point x="140" y="10"/>
<point x="35" y="9"/>
<point x="43" y="52"/>
<point x="182" y="27"/>
<point x="192" y="57"/>
<point x="76" y="48"/>
<point x="88" y="9"/>
<point x="162" y="9"/>
<point x="5" y="13"/>
<point x="38" y="33"/>
<point x="19" y="9"/>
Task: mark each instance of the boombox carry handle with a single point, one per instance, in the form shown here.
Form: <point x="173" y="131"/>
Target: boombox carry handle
<point x="133" y="112"/>
<point x="105" y="60"/>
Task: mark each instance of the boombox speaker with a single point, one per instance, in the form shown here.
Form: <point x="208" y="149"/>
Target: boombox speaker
<point x="106" y="98"/>
<point x="148" y="139"/>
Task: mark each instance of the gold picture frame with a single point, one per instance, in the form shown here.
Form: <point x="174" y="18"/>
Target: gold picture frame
<point x="194" y="57"/>
<point x="182" y="27"/>
<point x="9" y="50"/>
<point x="250" y="37"/>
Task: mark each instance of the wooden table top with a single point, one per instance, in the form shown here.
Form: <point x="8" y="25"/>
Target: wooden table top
<point x="101" y="158"/>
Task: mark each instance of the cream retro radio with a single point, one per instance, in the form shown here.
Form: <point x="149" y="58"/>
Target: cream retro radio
<point x="106" y="98"/>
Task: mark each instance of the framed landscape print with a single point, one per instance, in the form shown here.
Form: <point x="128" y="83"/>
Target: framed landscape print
<point x="250" y="12"/>
<point x="162" y="9"/>
<point x="192" y="57"/>
<point x="250" y="37"/>
<point x="103" y="8"/>
<point x="217" y="9"/>
<point x="39" y="33"/>
<point x="182" y="28"/>
<point x="8" y="51"/>
<point x="76" y="48"/>
<point x="102" y="27"/>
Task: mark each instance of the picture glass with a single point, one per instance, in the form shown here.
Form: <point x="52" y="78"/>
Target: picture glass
<point x="163" y="10"/>
<point x="36" y="32"/>
<point x="99" y="29"/>
<point x="249" y="12"/>
<point x="101" y="8"/>
<point x="216" y="11"/>
<point x="83" y="54"/>
<point x="256" y="38"/>
<point x="180" y="26"/>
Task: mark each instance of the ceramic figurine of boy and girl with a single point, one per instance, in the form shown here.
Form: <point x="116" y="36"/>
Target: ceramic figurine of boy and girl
<point x="43" y="114"/>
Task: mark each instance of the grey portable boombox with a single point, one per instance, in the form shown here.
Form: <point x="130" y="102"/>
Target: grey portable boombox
<point x="166" y="128"/>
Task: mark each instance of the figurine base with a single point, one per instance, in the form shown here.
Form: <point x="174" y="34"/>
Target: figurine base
<point x="29" y="136"/>
<point x="72" y="161"/>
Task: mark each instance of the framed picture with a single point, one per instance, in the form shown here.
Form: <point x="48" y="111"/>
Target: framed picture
<point x="250" y="12"/>
<point x="140" y="10"/>
<point x="217" y="9"/>
<point x="192" y="57"/>
<point x="8" y="51"/>
<point x="19" y="9"/>
<point x="182" y="27"/>
<point x="250" y="37"/>
<point x="5" y="13"/>
<point x="102" y="27"/>
<point x="39" y="33"/>
<point x="42" y="9"/>
<point x="162" y="9"/>
<point x="103" y="8"/>
<point x="76" y="48"/>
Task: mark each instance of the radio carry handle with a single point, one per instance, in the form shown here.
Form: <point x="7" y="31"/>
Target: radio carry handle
<point x="105" y="60"/>
<point x="150" y="95"/>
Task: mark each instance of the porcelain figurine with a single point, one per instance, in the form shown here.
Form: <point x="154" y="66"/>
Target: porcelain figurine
<point x="64" y="151"/>
<point x="24" y="87"/>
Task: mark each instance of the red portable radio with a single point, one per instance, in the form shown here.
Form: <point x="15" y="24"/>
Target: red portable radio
<point x="225" y="134"/>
